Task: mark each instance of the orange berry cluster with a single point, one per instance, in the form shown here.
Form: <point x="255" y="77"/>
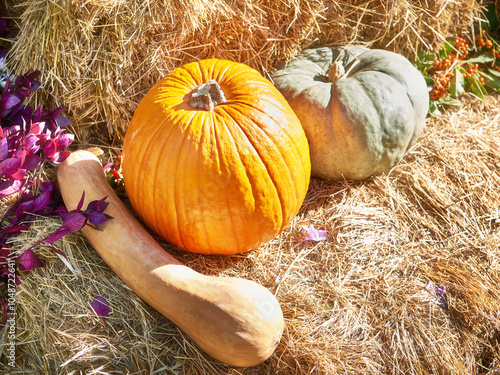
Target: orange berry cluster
<point x="483" y="41"/>
<point x="471" y="70"/>
<point x="442" y="80"/>
<point x="442" y="83"/>
<point x="118" y="163"/>
<point x="460" y="53"/>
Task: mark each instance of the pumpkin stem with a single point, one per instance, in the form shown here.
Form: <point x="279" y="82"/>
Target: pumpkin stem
<point x="337" y="69"/>
<point x="207" y="96"/>
<point x="336" y="72"/>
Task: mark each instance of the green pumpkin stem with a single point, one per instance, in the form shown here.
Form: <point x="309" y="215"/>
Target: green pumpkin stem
<point x="206" y="96"/>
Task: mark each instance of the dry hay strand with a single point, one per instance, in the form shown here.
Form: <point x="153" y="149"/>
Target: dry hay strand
<point x="401" y="26"/>
<point x="99" y="58"/>
<point x="359" y="302"/>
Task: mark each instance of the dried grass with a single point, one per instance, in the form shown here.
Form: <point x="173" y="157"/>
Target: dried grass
<point x="356" y="303"/>
<point x="99" y="57"/>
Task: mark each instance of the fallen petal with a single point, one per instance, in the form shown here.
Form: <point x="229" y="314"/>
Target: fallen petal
<point x="101" y="308"/>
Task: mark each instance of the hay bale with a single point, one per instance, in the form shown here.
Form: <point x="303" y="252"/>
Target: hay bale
<point x="100" y="57"/>
<point x="359" y="302"/>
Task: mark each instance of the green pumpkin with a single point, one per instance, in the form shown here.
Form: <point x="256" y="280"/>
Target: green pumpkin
<point x="361" y="109"/>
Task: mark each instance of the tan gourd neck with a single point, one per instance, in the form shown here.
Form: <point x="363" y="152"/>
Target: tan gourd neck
<point x="206" y="96"/>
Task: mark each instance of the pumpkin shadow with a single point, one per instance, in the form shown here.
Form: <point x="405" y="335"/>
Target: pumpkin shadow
<point x="320" y="193"/>
<point x="206" y="264"/>
<point x="323" y="192"/>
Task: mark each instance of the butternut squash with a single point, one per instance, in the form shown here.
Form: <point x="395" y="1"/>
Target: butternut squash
<point x="236" y="321"/>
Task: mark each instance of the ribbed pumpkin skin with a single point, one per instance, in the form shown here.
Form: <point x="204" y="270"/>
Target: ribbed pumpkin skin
<point x="222" y="181"/>
<point x="361" y="125"/>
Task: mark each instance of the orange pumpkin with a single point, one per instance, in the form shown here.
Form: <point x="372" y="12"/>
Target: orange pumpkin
<point x="214" y="159"/>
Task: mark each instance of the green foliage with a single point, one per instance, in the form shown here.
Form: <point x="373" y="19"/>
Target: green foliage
<point x="458" y="68"/>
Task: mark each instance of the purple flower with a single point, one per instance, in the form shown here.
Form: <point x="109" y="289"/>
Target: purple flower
<point x="76" y="219"/>
<point x="101" y="308"/>
<point x="439" y="293"/>
<point x="314" y="234"/>
<point x="30" y="138"/>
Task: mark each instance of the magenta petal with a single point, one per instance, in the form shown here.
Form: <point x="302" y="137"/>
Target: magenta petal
<point x="28" y="260"/>
<point x="314" y="234"/>
<point x="101" y="307"/>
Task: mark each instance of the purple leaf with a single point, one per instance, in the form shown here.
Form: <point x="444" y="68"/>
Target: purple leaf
<point x="33" y="75"/>
<point x="31" y="144"/>
<point x="56" y="251"/>
<point x="3" y="25"/>
<point x="97" y="218"/>
<point x="107" y="167"/>
<point x="15" y="228"/>
<point x="9" y="101"/>
<point x="74" y="221"/>
<point x="37" y="115"/>
<point x="58" y="234"/>
<point x="49" y="148"/>
<point x="19" y="154"/>
<point x="439" y="293"/>
<point x="10" y="187"/>
<point x="28" y="260"/>
<point x="80" y="203"/>
<point x="23" y="210"/>
<point x="10" y="166"/>
<point x="62" y="212"/>
<point x="34" y="85"/>
<point x="31" y="162"/>
<point x="314" y="234"/>
<point x="41" y="201"/>
<point x="19" y="174"/>
<point x="64" y="140"/>
<point x="22" y="93"/>
<point x="43" y="138"/>
<point x="101" y="308"/>
<point x="62" y="121"/>
<point x="98" y="206"/>
<point x="49" y="186"/>
<point x="4" y="148"/>
<point x="60" y="156"/>
<point x="37" y="128"/>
